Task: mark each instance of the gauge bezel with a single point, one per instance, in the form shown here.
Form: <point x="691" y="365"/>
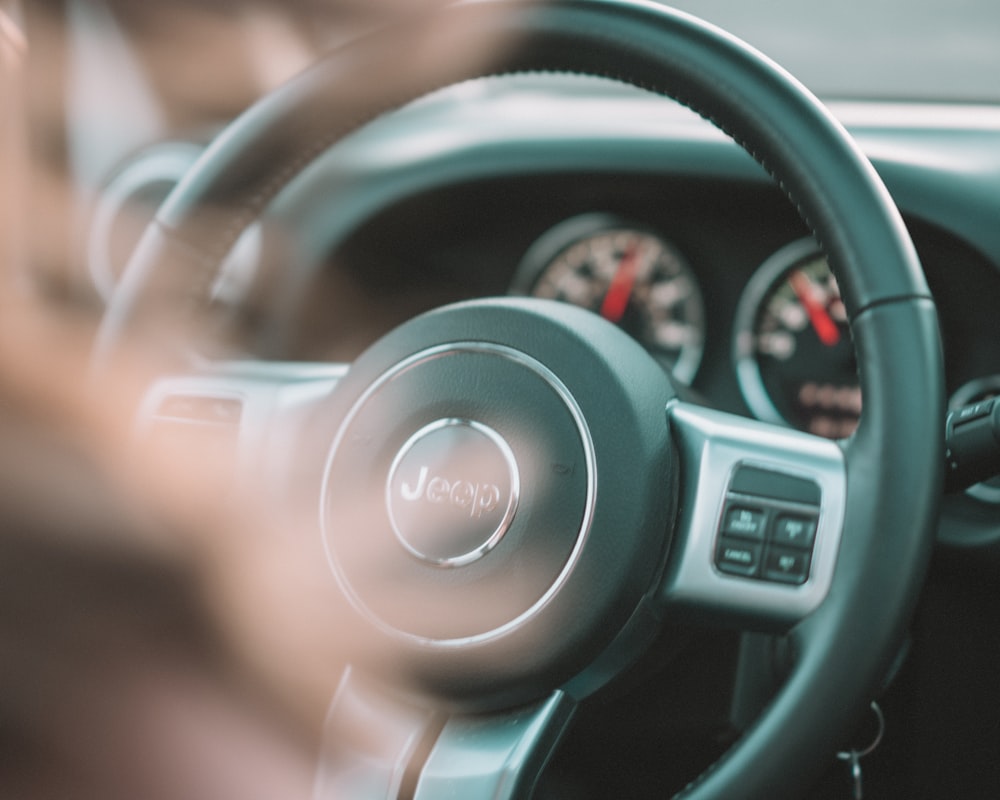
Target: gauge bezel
<point x="159" y="167"/>
<point x="745" y="363"/>
<point x="567" y="234"/>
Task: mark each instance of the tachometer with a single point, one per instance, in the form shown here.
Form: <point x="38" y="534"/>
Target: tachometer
<point x="793" y="351"/>
<point x="628" y="274"/>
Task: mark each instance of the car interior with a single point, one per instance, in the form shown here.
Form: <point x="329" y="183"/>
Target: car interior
<point x="568" y="401"/>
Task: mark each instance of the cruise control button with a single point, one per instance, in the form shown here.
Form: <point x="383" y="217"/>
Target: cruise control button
<point x="737" y="557"/>
<point x="787" y="565"/>
<point x="744" y="522"/>
<point x="794" y="531"/>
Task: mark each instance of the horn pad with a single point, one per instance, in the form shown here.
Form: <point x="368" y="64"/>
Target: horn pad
<point x="468" y="512"/>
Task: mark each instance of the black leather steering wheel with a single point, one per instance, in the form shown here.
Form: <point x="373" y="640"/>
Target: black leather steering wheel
<point x="581" y="502"/>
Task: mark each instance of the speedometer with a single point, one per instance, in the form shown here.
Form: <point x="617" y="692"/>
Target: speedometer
<point x="628" y="274"/>
<point x="793" y="352"/>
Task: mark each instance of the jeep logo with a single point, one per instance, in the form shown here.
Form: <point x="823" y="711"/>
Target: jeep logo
<point x="475" y="498"/>
<point x="452" y="491"/>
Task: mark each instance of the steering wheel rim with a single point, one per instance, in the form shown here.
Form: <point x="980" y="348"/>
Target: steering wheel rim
<point x="888" y="530"/>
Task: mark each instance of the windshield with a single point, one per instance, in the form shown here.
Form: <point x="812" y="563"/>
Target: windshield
<point x="945" y="50"/>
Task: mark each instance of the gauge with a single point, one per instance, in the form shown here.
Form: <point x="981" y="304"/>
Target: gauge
<point x="972" y="392"/>
<point x="793" y="351"/>
<point x="628" y="274"/>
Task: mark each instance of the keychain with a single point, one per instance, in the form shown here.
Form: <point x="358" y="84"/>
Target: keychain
<point x="853" y="757"/>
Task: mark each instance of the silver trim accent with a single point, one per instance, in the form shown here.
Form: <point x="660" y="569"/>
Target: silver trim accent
<point x="712" y="444"/>
<point x="271" y="392"/>
<point x="442" y="351"/>
<point x="514" y="477"/>
<point x="924" y="116"/>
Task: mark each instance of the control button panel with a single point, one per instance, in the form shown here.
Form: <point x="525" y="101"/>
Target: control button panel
<point x="768" y="527"/>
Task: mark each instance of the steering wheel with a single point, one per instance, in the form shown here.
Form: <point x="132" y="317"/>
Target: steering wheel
<point x="513" y="496"/>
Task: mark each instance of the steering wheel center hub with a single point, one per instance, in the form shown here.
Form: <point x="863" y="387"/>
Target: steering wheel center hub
<point x="486" y="430"/>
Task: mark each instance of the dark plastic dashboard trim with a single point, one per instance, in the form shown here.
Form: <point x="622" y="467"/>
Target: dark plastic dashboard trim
<point x="558" y="124"/>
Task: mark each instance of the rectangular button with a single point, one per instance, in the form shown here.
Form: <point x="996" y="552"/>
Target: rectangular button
<point x="201" y="408"/>
<point x="787" y="565"/>
<point x="738" y="557"/>
<point x="794" y="531"/>
<point x="776" y="485"/>
<point x="975" y="411"/>
<point x="745" y="522"/>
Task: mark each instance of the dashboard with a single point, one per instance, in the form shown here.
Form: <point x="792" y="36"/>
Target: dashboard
<point x="601" y="195"/>
<point x="716" y="297"/>
<point x="682" y="242"/>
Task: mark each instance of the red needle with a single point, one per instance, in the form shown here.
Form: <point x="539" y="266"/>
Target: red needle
<point x="620" y="290"/>
<point x="826" y="329"/>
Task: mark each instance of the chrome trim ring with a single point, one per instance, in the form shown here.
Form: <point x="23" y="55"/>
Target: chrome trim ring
<point x="474" y="502"/>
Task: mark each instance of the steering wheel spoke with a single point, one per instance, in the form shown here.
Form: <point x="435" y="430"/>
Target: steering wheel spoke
<point x="241" y="414"/>
<point x="761" y="517"/>
<point x="370" y="740"/>
<point x="378" y="746"/>
<point x="499" y="755"/>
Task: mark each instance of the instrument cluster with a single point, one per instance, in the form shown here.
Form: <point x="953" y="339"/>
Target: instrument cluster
<point x="791" y="347"/>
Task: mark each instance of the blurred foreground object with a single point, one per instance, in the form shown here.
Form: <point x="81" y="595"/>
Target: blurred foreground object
<point x="13" y="49"/>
